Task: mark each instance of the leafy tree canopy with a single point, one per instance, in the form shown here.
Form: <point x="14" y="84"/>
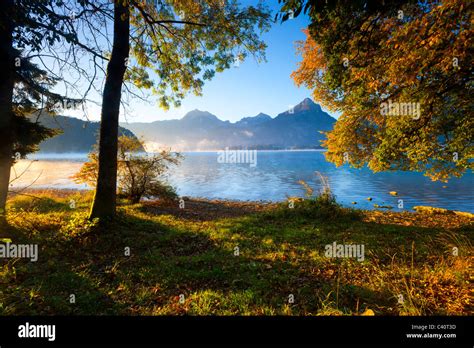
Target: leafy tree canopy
<point x="178" y="44"/>
<point x="400" y="73"/>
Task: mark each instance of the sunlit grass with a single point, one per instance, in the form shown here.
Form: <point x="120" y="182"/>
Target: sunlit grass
<point x="193" y="262"/>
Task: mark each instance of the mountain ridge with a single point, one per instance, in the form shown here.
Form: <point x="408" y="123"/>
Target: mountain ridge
<point x="296" y="128"/>
<point x="77" y="136"/>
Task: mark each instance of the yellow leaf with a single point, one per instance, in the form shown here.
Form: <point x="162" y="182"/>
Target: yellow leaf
<point x="368" y="312"/>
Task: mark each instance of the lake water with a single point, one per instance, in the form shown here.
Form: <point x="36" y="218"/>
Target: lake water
<point x="274" y="177"/>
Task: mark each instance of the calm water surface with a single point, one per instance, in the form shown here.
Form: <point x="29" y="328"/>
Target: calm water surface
<point x="275" y="177"/>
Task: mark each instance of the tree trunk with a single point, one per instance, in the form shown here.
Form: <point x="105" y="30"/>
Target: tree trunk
<point x="135" y="199"/>
<point x="106" y="191"/>
<point x="6" y="94"/>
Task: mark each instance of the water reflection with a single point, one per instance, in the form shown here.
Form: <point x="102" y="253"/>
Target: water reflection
<point x="274" y="178"/>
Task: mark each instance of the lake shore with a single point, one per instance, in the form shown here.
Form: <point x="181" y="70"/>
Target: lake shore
<point x="228" y="207"/>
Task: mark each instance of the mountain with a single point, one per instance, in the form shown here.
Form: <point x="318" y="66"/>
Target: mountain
<point x="77" y="135"/>
<point x="253" y="121"/>
<point x="297" y="128"/>
<point x="200" y="118"/>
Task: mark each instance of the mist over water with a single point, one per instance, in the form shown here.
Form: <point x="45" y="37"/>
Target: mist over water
<point x="47" y="171"/>
<point x="275" y="177"/>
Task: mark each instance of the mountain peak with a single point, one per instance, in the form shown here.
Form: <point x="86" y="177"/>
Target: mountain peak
<point x="254" y="120"/>
<point x="307" y="104"/>
<point x="198" y="114"/>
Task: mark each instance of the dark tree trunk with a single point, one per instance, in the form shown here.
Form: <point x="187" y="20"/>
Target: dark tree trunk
<point x="6" y="94"/>
<point x="106" y="192"/>
<point x="135" y="199"/>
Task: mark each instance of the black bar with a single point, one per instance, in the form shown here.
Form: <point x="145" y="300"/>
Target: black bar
<point x="163" y="330"/>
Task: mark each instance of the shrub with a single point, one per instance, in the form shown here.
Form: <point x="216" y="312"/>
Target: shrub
<point x="323" y="205"/>
<point x="78" y="224"/>
<point x="139" y="174"/>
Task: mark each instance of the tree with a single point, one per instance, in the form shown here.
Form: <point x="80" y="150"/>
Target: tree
<point x="400" y="73"/>
<point x="171" y="43"/>
<point x="30" y="29"/>
<point x="31" y="96"/>
<point x="6" y="95"/>
<point x="139" y="174"/>
<point x="105" y="194"/>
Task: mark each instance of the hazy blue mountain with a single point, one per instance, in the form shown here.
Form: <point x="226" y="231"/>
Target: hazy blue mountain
<point x="198" y="118"/>
<point x="77" y="135"/>
<point x="254" y="120"/>
<point x="200" y="130"/>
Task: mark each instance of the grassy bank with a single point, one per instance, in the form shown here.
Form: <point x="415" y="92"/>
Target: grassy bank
<point x="229" y="258"/>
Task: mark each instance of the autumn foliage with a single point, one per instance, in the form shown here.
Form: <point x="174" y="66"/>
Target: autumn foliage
<point x="406" y="55"/>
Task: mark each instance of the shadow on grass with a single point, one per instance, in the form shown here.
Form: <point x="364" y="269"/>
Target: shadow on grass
<point x="48" y="285"/>
<point x="138" y="265"/>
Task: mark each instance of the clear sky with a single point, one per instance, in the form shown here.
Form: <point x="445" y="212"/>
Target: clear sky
<point x="240" y="91"/>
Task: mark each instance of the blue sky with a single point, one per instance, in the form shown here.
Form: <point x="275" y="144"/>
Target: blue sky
<point x="240" y="91"/>
<point x="256" y="87"/>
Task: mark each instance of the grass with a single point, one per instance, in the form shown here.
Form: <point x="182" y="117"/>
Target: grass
<point x="229" y="258"/>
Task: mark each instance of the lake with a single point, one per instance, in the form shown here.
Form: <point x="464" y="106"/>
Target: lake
<point x="274" y="177"/>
